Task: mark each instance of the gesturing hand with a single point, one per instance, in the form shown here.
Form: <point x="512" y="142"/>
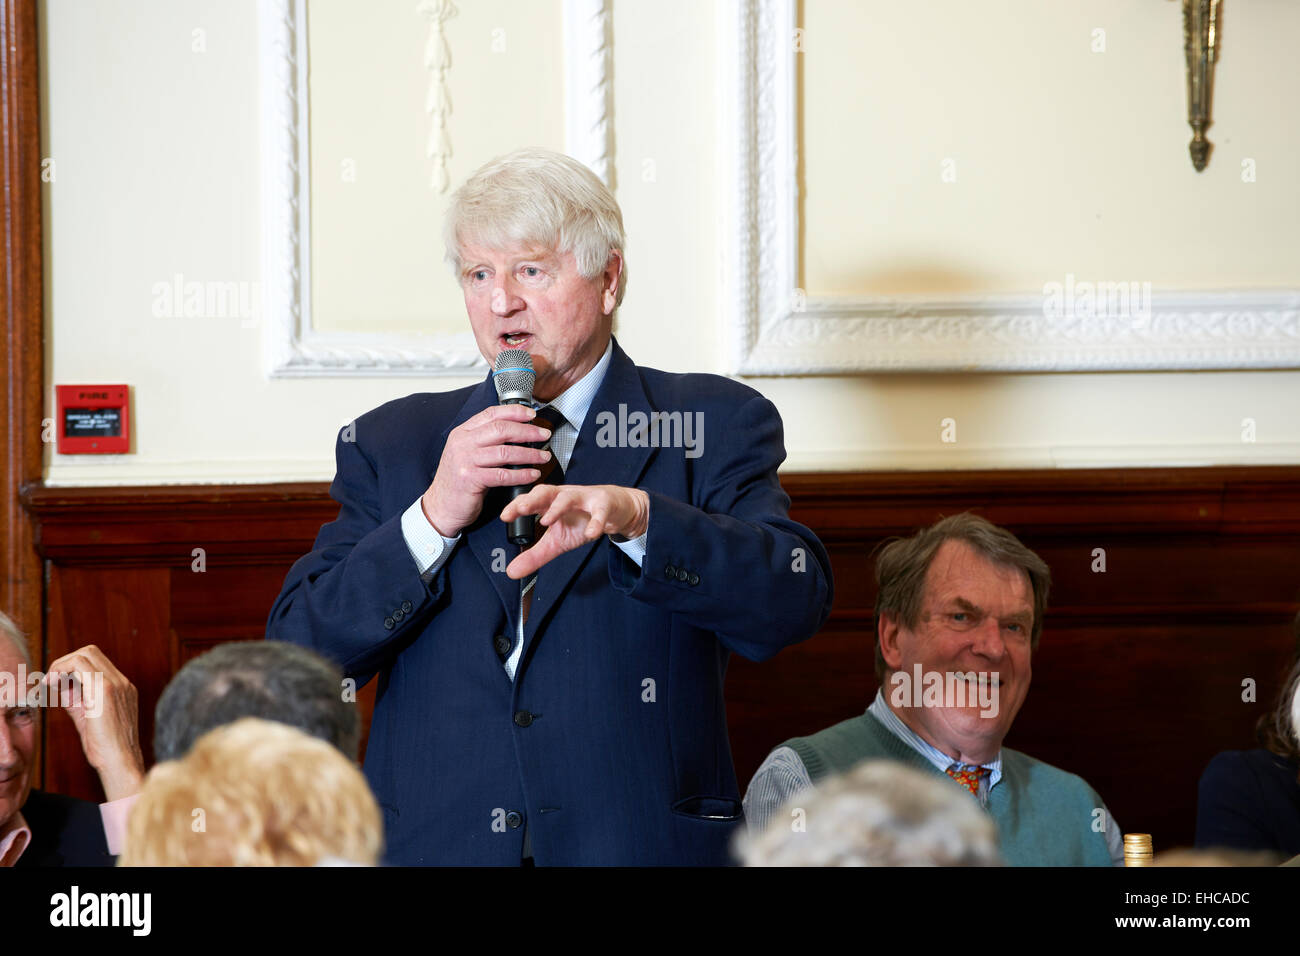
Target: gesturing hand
<point x="107" y="718"/>
<point x="475" y="459"/>
<point x="574" y="515"/>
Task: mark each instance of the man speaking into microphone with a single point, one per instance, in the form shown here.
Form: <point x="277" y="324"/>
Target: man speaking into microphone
<point x="559" y="703"/>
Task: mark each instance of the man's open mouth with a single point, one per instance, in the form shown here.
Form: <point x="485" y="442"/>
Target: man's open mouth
<point x="514" y="340"/>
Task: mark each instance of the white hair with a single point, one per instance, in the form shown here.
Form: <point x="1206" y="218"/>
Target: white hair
<point x="10" y="630"/>
<point x="536" y="195"/>
<point x="880" y="813"/>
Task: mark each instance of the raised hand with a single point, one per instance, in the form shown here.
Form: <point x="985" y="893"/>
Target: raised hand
<point x="106" y="713"/>
<point x="573" y="515"/>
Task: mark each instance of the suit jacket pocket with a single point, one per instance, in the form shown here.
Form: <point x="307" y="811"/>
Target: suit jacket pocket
<point x="722" y="809"/>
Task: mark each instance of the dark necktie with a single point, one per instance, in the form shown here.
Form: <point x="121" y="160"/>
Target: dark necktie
<point x="550" y="419"/>
<point x="552" y="474"/>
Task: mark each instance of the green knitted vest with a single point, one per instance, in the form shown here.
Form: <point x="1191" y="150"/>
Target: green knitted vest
<point x="1044" y="815"/>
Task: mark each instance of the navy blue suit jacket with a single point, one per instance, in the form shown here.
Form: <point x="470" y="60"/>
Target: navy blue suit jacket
<point x="65" y="832"/>
<point x="611" y="743"/>
<point x="1249" y="800"/>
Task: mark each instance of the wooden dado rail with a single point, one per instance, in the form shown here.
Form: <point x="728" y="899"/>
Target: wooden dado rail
<point x="1137" y="683"/>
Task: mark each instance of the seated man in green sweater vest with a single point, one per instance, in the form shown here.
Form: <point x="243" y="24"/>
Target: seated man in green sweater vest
<point x="959" y="611"/>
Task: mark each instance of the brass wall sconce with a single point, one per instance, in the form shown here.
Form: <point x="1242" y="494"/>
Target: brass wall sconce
<point x="1201" y="44"/>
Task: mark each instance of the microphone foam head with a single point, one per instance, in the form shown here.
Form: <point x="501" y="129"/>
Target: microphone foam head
<point x="514" y="376"/>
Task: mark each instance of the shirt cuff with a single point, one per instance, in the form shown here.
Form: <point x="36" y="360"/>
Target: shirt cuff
<point x="429" y="549"/>
<point x="634" y="548"/>
<point x="114" y="814"/>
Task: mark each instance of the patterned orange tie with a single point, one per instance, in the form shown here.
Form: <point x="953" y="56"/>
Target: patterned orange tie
<point x="970" y="779"/>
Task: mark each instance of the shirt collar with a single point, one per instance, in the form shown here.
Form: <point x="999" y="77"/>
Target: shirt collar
<point x="575" y="401"/>
<point x="14" y="838"/>
<point x="941" y="761"/>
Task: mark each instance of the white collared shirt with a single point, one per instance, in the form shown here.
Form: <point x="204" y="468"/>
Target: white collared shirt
<point x="430" y="550"/>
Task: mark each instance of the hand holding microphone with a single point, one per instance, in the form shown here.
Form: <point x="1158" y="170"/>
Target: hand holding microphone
<point x="488" y="451"/>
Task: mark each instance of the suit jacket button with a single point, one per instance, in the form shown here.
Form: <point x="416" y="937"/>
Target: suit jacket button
<point x="670" y="572"/>
<point x="514" y="819"/>
<point x="694" y="580"/>
<point x="523" y="718"/>
<point x="682" y="574"/>
<point x="389" y="623"/>
<point x="398" y="614"/>
<point x="406" y="607"/>
<point x="502" y="644"/>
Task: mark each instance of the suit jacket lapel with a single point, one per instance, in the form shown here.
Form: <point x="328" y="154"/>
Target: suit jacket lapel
<point x="604" y="463"/>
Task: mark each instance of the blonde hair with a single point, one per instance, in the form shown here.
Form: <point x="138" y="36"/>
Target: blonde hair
<point x="254" y="793"/>
<point x="536" y="195"/>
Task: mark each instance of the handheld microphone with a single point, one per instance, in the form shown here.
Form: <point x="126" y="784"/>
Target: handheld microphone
<point x="513" y="376"/>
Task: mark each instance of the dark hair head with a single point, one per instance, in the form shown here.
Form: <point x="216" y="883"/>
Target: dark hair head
<point x="268" y="679"/>
<point x="903" y="564"/>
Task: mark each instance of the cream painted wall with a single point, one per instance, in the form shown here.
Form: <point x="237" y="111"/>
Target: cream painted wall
<point x="1061" y="160"/>
<point x="156" y="152"/>
<point x="376" y="219"/>
<point x="155" y="148"/>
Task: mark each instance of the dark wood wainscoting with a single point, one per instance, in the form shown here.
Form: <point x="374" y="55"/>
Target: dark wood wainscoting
<point x="1138" y="682"/>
